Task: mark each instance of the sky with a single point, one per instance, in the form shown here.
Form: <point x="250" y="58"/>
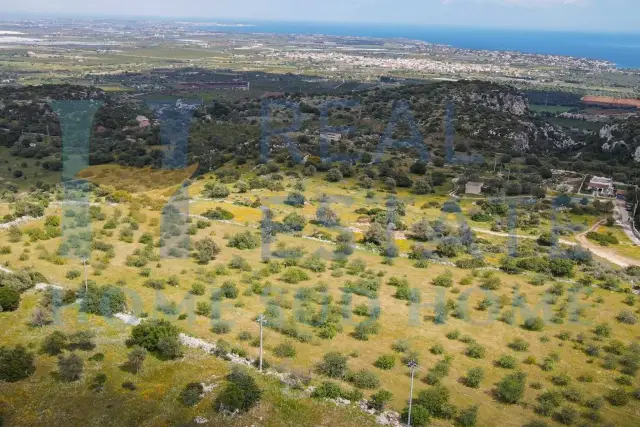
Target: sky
<point x="591" y="15"/>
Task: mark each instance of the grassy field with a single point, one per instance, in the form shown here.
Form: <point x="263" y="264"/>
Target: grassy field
<point x="154" y="403"/>
<point x="626" y="247"/>
<point x="43" y="401"/>
<point x="32" y="172"/>
<point x="556" y="109"/>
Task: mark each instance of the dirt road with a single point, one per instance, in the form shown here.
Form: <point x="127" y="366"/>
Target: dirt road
<point x="599" y="251"/>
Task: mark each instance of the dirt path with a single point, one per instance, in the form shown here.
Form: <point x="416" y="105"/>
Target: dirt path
<point x="602" y="251"/>
<point x="599" y="251"/>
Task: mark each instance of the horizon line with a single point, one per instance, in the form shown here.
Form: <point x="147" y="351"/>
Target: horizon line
<point x="229" y="20"/>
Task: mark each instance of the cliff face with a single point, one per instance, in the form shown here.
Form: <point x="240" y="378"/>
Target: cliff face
<point x="513" y="121"/>
<point x="622" y="138"/>
<point x="505" y="102"/>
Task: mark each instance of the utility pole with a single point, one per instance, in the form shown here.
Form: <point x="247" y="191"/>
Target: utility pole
<point x="86" y="285"/>
<point x="262" y="320"/>
<point x="413" y="365"/>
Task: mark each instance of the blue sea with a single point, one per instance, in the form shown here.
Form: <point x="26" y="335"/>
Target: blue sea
<point x="623" y="49"/>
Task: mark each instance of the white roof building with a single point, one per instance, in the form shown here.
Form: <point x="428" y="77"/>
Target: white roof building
<point x="473" y="187"/>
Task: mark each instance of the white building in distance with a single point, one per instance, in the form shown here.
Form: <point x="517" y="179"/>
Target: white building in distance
<point x="601" y="186"/>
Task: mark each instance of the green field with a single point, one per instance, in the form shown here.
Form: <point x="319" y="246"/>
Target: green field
<point x="556" y="109"/>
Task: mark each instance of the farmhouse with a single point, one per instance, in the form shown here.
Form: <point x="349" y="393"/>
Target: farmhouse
<point x="333" y="136"/>
<point x="473" y="188"/>
<point x="602" y="186"/>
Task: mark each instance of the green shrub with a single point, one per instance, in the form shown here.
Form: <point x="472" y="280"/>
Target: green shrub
<point x="197" y="289"/>
<point x="285" y="350"/>
<point x="104" y="300"/>
<point x="314" y="263"/>
<point x="475" y="351"/>
<point x="548" y="402"/>
<point x="135" y="359"/>
<point x="205" y="250"/>
<point x="436" y="401"/>
<point x="241" y="393"/>
<point x="239" y="263"/>
<point x="327" y="390"/>
<point x="441" y="313"/>
<point x="157" y="284"/>
<point x="490" y="282"/>
<point x="624" y="380"/>
<point x="534" y="324"/>
<point x="73" y="274"/>
<point x="406" y="294"/>
<point x="98" y="382"/>
<point x="420" y="416"/>
<point x="364" y="379"/>
<point x="81" y="340"/>
<point x="357" y="266"/>
<point x="294" y="222"/>
<point x="453" y="335"/>
<point x="438" y="371"/>
<point x="366" y="328"/>
<point x="547" y="239"/>
<point x="604" y="239"/>
<point x="468" y="417"/>
<point x="244" y="240"/>
<point x="603" y="330"/>
<point x="221" y="327"/>
<point x="70" y="367"/>
<point x="9" y="299"/>
<point x="203" y="308"/>
<point x="157" y="336"/>
<point x="507" y="362"/>
<point x="437" y="349"/>
<point x="618" y="397"/>
<point x="218" y="214"/>
<point x="217" y="191"/>
<point x="379" y="400"/>
<point x="444" y="280"/>
<point x="400" y="345"/>
<point x="54" y="343"/>
<point x="191" y="394"/>
<point x="561" y="380"/>
<point x="229" y="290"/>
<point x="519" y="344"/>
<point x="245" y="336"/>
<point x="294" y="275"/>
<point x="511" y="388"/>
<point x="627" y="317"/>
<point x="295" y="198"/>
<point x="16" y="364"/>
<point x="566" y="415"/>
<point x="474" y="377"/>
<point x="170" y="308"/>
<point x="333" y="365"/>
<point x="361" y="310"/>
<point x="385" y="362"/>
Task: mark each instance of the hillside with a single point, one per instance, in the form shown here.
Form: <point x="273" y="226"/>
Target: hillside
<point x="483" y="117"/>
<point x="526" y="330"/>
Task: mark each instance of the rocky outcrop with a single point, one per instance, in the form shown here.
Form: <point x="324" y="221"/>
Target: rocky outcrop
<point x="607" y="132"/>
<point x="505" y="102"/>
<point x="622" y="138"/>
